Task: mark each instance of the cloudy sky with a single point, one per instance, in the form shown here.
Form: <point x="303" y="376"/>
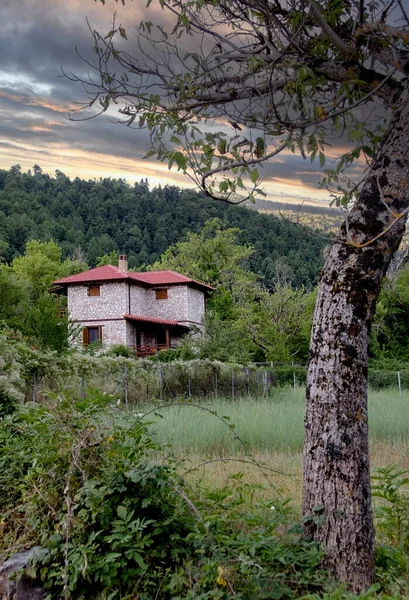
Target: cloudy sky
<point x="37" y="40"/>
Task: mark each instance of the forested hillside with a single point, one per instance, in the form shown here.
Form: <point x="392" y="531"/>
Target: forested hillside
<point x="89" y="219"/>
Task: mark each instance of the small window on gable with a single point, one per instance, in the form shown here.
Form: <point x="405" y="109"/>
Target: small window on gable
<point x="94" y="290"/>
<point x="91" y="335"/>
<point x="162" y="294"/>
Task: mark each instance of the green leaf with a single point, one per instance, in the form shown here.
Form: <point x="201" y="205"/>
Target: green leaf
<point x="180" y="160"/>
<point x="123" y="33"/>
<point x="139" y="559"/>
<point x="322" y="159"/>
<point x="254" y="175"/>
<point x="122" y="512"/>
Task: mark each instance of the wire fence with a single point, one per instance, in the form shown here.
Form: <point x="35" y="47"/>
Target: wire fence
<point x="138" y="381"/>
<point x="134" y="381"/>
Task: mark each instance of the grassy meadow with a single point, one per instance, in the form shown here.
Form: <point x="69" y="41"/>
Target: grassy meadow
<point x="263" y="437"/>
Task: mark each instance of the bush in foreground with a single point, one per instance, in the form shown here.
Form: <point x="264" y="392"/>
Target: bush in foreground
<point x="118" y="522"/>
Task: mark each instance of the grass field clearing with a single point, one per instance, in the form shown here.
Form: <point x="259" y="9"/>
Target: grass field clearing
<point x="267" y="432"/>
<point x="263" y="424"/>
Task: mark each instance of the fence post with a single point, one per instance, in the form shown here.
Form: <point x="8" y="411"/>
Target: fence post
<point x="399" y="383"/>
<point x="82" y="385"/>
<point x="215" y="384"/>
<point x="232" y="384"/>
<point x="188" y="384"/>
<point x="126" y="385"/>
<point x="264" y="384"/>
<point x="33" y="387"/>
<point x="248" y="380"/>
<point x="160" y="384"/>
<point x="294" y="380"/>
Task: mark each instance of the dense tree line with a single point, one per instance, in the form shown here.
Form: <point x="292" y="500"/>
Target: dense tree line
<point x="262" y="309"/>
<point x="89" y="219"/>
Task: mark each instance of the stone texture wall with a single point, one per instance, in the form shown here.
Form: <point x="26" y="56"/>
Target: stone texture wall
<point x="112" y="302"/>
<point x="113" y="332"/>
<point x="195" y="305"/>
<point x="139" y="301"/>
<point x="130" y="334"/>
<point x="174" y="308"/>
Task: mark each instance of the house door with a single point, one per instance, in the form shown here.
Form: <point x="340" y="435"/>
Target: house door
<point x="162" y="339"/>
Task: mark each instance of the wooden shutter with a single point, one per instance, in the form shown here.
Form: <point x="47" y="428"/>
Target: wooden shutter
<point x="85" y="337"/>
<point x="94" y="290"/>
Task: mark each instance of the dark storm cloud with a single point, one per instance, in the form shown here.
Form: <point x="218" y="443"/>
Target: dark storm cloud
<point x="42" y="125"/>
<point x="40" y="42"/>
<point x="37" y="40"/>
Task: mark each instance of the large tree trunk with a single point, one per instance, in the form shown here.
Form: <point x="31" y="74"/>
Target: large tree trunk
<point x="337" y="496"/>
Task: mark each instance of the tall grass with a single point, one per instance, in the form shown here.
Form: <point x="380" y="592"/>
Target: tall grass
<point x="389" y="416"/>
<point x="264" y="424"/>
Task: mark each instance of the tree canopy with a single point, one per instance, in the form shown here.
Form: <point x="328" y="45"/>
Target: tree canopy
<point x="244" y="320"/>
<point x="260" y="78"/>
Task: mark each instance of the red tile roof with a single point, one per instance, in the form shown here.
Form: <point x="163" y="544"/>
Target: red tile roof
<point x="154" y="320"/>
<point x="165" y="278"/>
<point x="161" y="277"/>
<point x="152" y="278"/>
<point x="105" y="273"/>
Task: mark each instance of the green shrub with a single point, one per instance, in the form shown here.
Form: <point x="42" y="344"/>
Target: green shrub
<point x="118" y="522"/>
<point x="94" y="495"/>
<point x="86" y="481"/>
<point x="7" y="403"/>
<point x="12" y="384"/>
<point x="284" y="375"/>
<point x="392" y="525"/>
<point x="120" y="350"/>
<point x="382" y="379"/>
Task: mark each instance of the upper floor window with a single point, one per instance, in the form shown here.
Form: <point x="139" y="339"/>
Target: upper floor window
<point x="162" y="294"/>
<point x="94" y="290"/>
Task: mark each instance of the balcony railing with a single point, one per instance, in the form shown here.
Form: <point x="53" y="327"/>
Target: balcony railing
<point x="146" y="350"/>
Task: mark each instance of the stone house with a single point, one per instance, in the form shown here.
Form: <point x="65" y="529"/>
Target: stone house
<point x="145" y="311"/>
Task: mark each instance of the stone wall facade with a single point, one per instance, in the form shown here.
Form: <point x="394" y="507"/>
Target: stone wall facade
<point x="174" y="308"/>
<point x="111" y="304"/>
<point x="139" y="301"/>
<point x="195" y="306"/>
<point x="183" y="304"/>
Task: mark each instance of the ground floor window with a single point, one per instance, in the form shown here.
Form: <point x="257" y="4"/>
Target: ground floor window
<point x="91" y="335"/>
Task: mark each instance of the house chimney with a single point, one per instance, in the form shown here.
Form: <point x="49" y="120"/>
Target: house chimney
<point x="123" y="263"/>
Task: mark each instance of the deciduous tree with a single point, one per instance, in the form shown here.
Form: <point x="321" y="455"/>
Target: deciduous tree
<point x="231" y="85"/>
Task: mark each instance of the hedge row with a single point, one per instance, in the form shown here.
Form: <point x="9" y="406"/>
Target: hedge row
<point x="30" y="373"/>
<point x="377" y="379"/>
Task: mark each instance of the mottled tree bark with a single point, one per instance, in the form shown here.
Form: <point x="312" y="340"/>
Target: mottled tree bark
<point x="337" y="496"/>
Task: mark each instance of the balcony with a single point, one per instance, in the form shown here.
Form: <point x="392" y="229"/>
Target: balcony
<point x="146" y="350"/>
